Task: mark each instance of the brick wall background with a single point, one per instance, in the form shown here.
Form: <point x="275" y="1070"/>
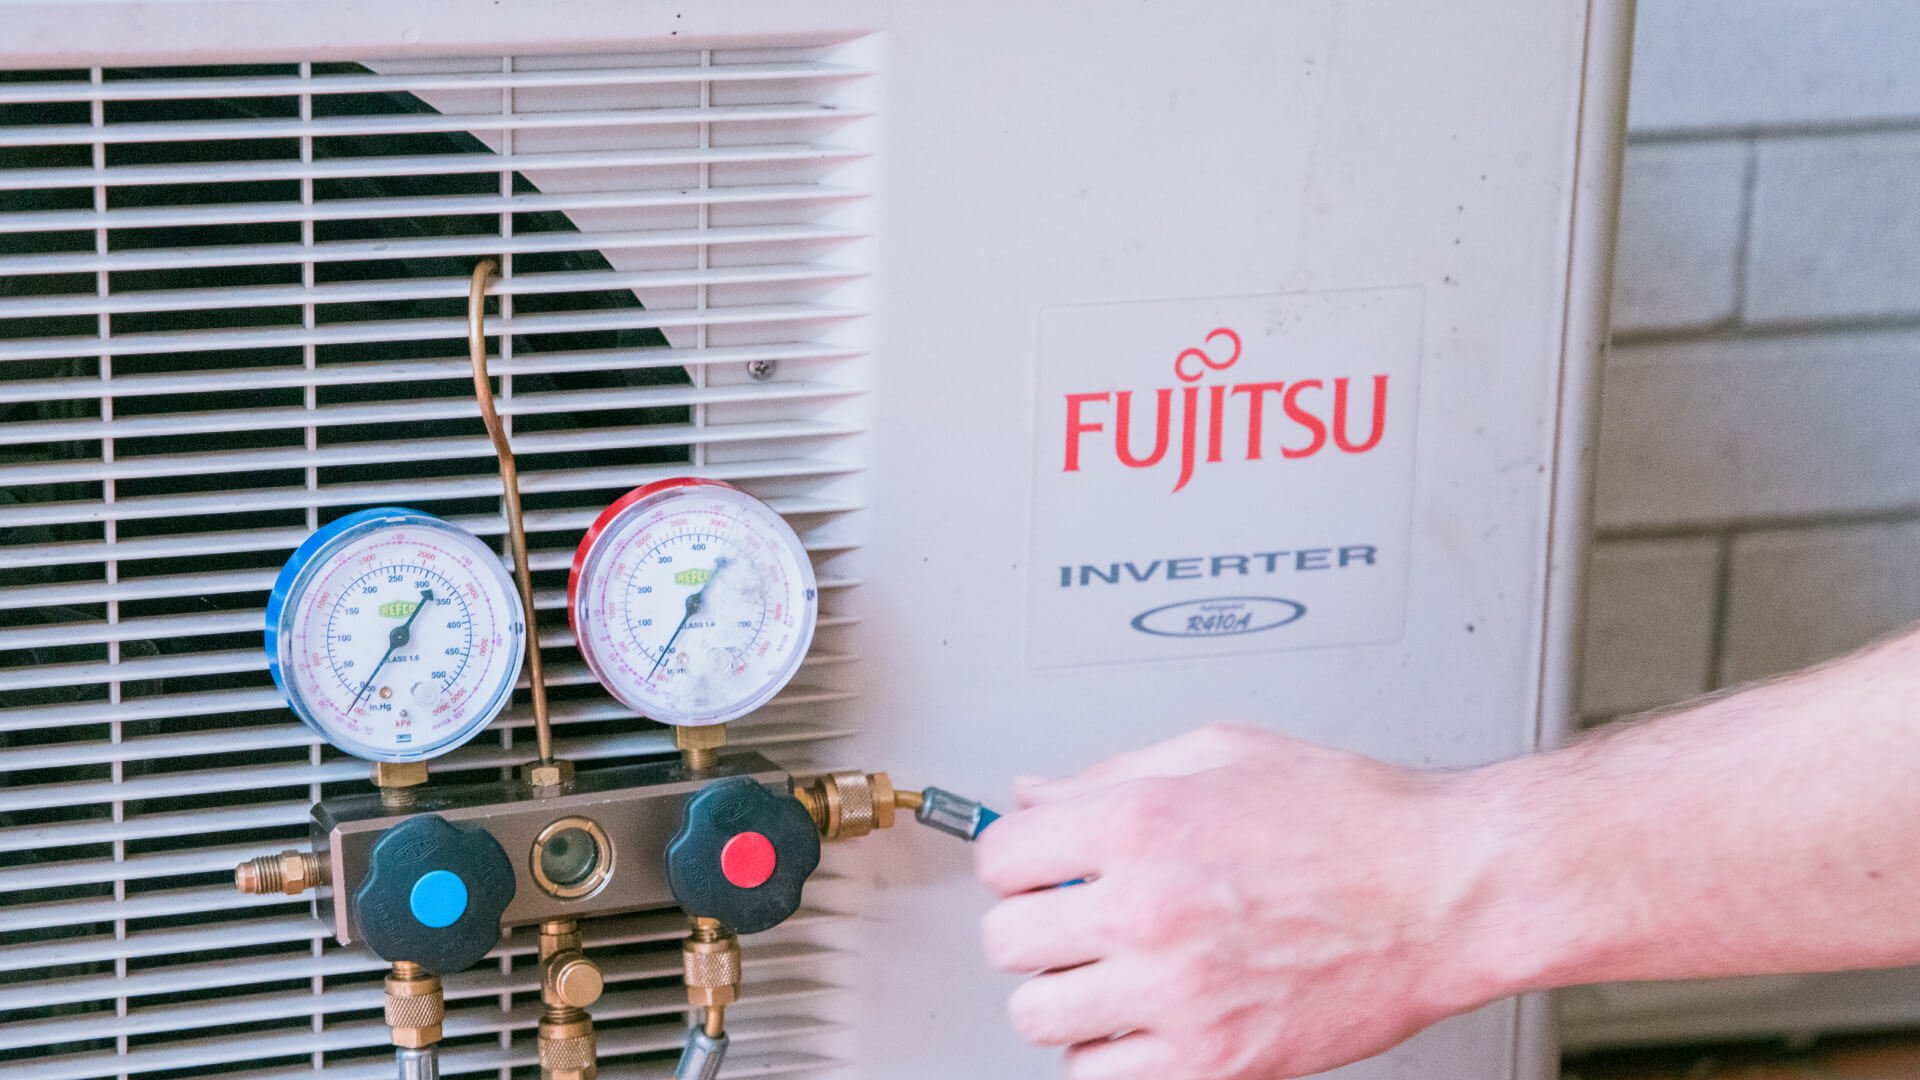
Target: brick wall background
<point x="1759" y="488"/>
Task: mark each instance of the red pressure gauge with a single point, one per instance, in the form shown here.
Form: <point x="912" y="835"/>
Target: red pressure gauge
<point x="692" y="601"/>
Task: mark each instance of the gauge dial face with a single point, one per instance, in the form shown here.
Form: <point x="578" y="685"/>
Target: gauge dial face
<point x="693" y="602"/>
<point x="395" y="635"/>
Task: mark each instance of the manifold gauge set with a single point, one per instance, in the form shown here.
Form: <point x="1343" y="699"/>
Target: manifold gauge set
<point x="398" y="636"/>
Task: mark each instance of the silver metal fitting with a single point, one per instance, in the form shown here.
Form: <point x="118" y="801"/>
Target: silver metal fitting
<point x="702" y="1057"/>
<point x="420" y="1064"/>
<point x="953" y="815"/>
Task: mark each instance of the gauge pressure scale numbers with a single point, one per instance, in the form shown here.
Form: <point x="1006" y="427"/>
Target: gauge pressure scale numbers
<point x="693" y="602"/>
<point x="395" y="634"/>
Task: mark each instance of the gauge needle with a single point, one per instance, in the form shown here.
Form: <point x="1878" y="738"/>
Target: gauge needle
<point x="396" y="637"/>
<point x="693" y="608"/>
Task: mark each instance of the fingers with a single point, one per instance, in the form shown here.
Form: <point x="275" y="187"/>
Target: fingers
<point x="1040" y="848"/>
<point x="1046" y="930"/>
<point x="1077" y="1006"/>
<point x="1196" y="751"/>
<point x="1139" y="1056"/>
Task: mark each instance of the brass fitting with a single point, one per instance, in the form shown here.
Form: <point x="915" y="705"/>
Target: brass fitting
<point x="415" y="1006"/>
<point x="396" y="781"/>
<point x="700" y="746"/>
<point x="847" y="805"/>
<point x="569" y="983"/>
<point x="568" y="1049"/>
<point x="568" y="979"/>
<point x="290" y="872"/>
<point x="710" y="960"/>
<point x="547" y="777"/>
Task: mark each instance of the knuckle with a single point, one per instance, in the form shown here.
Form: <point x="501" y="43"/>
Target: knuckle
<point x="1218" y="1053"/>
<point x="1191" y="981"/>
<point x="1159" y="911"/>
<point x="1138" y="809"/>
<point x="1222" y="742"/>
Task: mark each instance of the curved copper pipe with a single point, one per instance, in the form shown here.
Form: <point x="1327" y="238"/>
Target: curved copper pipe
<point x="510" y="480"/>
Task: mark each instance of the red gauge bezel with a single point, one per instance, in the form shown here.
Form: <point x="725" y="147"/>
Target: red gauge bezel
<point x="606" y="518"/>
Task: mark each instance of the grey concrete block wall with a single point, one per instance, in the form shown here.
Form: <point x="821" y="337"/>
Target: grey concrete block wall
<point x="1758" y="503"/>
<point x="1758" y="499"/>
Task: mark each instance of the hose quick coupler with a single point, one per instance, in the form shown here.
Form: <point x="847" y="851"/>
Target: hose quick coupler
<point x="568" y="1050"/>
<point x="415" y="1006"/>
<point x="848" y="805"/>
<point x="702" y="1057"/>
<point x="954" y="815"/>
<point x="290" y="872"/>
<point x="710" y="959"/>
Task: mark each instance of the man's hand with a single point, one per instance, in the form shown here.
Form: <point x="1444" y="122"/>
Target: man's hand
<point x="1255" y="907"/>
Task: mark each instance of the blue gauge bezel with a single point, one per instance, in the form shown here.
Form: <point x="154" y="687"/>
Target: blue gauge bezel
<point x="300" y="568"/>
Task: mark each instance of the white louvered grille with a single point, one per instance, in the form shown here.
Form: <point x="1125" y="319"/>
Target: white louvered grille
<point x="232" y="308"/>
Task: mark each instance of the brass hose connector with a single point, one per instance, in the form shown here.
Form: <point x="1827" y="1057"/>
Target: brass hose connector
<point x="569" y="984"/>
<point x="848" y="805"/>
<point x="710" y="960"/>
<point x="415" y="1006"/>
<point x="290" y="872"/>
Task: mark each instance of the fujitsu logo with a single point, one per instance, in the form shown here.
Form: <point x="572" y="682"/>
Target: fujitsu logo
<point x="1237" y="420"/>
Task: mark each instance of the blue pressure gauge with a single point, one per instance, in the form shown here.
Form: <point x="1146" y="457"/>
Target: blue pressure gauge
<point x="395" y="634"/>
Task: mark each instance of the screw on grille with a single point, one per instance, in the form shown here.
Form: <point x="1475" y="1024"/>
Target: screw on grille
<point x="760" y="370"/>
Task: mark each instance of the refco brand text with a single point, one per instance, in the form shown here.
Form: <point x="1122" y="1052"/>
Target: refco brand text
<point x="1239" y="410"/>
<point x="1199" y="567"/>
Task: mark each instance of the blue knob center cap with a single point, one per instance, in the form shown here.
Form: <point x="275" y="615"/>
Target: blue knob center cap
<point x="438" y="899"/>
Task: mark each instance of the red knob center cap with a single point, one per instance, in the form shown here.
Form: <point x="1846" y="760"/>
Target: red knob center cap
<point x="748" y="860"/>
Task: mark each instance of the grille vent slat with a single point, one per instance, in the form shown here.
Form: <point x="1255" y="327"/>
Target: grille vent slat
<point x="434" y="124"/>
<point x="232" y="308"/>
<point x="414" y="206"/>
<point x="244" y="86"/>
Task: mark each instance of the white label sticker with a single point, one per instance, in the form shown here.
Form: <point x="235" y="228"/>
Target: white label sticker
<point x="1223" y="476"/>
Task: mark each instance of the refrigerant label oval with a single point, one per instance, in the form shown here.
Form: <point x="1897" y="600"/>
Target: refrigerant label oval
<point x="1221" y="616"/>
<point x="1195" y="455"/>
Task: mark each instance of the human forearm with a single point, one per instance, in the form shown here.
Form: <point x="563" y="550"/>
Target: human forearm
<point x="1774" y="829"/>
<point x="1257" y="907"/>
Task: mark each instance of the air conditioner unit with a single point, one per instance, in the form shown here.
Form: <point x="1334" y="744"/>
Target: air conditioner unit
<point x="1123" y="367"/>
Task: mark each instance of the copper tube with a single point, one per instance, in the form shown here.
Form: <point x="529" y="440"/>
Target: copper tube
<point x="510" y="480"/>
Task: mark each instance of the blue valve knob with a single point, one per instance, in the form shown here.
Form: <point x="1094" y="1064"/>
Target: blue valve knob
<point x="434" y="894"/>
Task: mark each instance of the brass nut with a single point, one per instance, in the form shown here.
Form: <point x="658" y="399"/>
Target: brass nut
<point x="700" y="746"/>
<point x="290" y="872"/>
<point x="558" y="936"/>
<point x="700" y="737"/>
<point x="547" y="775"/>
<point x="399" y="774"/>
<point x="709" y="997"/>
<point x="884" y="800"/>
